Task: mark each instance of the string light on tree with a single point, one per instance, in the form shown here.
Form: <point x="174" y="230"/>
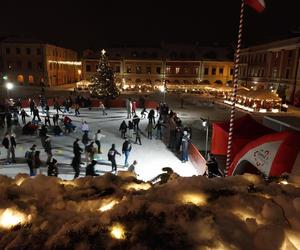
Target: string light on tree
<point x="103" y="81"/>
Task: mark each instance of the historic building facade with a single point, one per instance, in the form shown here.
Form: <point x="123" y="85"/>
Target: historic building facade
<point x="138" y="69"/>
<point x="273" y="66"/>
<point x="29" y="62"/>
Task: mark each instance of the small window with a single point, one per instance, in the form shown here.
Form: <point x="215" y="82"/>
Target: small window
<point x="40" y="65"/>
<point x="38" y="51"/>
<point x="88" y="68"/>
<point x="7" y="50"/>
<point x="118" y="69"/>
<point x="177" y="70"/>
<point x="128" y="70"/>
<point x="148" y="69"/>
<point x="168" y="69"/>
<point x="221" y="71"/>
<point x="28" y="51"/>
<point x="29" y="65"/>
<point x="18" y="51"/>
<point x="138" y="69"/>
<point x="206" y="71"/>
<point x="231" y="71"/>
<point x="287" y="74"/>
<point x="19" y="65"/>
<point x="158" y="70"/>
<point x="213" y="71"/>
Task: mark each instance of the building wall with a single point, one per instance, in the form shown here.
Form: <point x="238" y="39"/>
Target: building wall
<point x="154" y="72"/>
<point x="273" y="66"/>
<point x="39" y="64"/>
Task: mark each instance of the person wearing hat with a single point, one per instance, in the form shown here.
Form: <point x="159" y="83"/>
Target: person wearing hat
<point x="90" y="169"/>
<point x="126" y="148"/>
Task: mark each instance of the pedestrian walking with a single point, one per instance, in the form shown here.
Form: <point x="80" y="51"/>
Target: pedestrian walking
<point x="126" y="149"/>
<point x="112" y="157"/>
<point x="123" y="129"/>
<point x="98" y="137"/>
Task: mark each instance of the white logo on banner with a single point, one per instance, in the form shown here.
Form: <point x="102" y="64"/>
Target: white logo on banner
<point x="261" y="157"/>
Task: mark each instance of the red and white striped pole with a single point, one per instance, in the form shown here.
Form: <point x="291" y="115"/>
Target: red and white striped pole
<point x="235" y="87"/>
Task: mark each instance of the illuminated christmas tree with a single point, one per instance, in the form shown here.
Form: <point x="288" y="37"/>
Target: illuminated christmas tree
<point x="103" y="81"/>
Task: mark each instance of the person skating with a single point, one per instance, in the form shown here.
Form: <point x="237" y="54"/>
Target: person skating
<point x="89" y="152"/>
<point x="143" y="113"/>
<point x="48" y="149"/>
<point x="185" y="146"/>
<point x="52" y="168"/>
<point x="133" y="107"/>
<point x="85" y="127"/>
<point x="149" y="130"/>
<point x="29" y="156"/>
<point x="9" y="143"/>
<point x="24" y="115"/>
<point x="138" y="137"/>
<point x="98" y="136"/>
<point x="128" y="107"/>
<point x="31" y="106"/>
<point x="85" y="138"/>
<point x="69" y="126"/>
<point x="102" y="108"/>
<point x="130" y="128"/>
<point x="37" y="163"/>
<point x="36" y="113"/>
<point x="123" y="129"/>
<point x="126" y="148"/>
<point x="76" y="166"/>
<point x="55" y="119"/>
<point x="131" y="168"/>
<point x="158" y="128"/>
<point x="90" y="169"/>
<point x="77" y="107"/>
<point x="151" y="116"/>
<point x="77" y="150"/>
<point x="136" y="121"/>
<point x="112" y="157"/>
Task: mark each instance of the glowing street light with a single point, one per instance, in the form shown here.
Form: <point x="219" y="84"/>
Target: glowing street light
<point x="118" y="232"/>
<point x="9" y="86"/>
<point x="205" y="124"/>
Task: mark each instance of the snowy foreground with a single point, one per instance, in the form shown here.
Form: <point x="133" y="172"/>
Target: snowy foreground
<point x="111" y="212"/>
<point x="152" y="156"/>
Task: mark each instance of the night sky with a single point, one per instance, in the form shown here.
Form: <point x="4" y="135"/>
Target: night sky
<point x="94" y="24"/>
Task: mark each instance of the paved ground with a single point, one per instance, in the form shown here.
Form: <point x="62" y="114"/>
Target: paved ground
<point x="152" y="156"/>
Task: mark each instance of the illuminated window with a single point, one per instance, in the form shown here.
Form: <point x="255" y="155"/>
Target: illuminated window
<point x="195" y="70"/>
<point x="168" y="69"/>
<point x="128" y="70"/>
<point x="206" y="71"/>
<point x="20" y="79"/>
<point x="148" y="69"/>
<point x="177" y="69"/>
<point x="158" y="70"/>
<point x="138" y="69"/>
<point x="221" y="71"/>
<point x="30" y="79"/>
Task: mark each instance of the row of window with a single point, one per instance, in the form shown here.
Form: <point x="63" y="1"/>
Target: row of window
<point x="53" y="79"/>
<point x="57" y="66"/>
<point x="257" y="58"/>
<point x="259" y="72"/>
<point x="61" y="53"/>
<point x="27" y="51"/>
<point x="19" y="65"/>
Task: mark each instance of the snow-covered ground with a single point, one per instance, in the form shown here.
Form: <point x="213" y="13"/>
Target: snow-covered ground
<point x="152" y="156"/>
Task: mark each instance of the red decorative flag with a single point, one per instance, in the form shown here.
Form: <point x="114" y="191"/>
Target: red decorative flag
<point x="257" y="5"/>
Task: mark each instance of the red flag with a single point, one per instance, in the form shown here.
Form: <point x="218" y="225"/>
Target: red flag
<point x="257" y="5"/>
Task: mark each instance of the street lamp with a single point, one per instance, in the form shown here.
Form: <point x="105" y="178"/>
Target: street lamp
<point x="79" y="73"/>
<point x="205" y="124"/>
<point x="163" y="90"/>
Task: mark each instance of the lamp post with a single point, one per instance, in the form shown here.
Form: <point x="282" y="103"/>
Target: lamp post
<point x="9" y="86"/>
<point x="205" y="124"/>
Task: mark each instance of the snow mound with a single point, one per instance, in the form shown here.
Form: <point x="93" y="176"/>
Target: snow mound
<point x="113" y="212"/>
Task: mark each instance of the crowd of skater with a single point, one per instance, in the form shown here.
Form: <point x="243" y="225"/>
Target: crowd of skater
<point x="166" y="125"/>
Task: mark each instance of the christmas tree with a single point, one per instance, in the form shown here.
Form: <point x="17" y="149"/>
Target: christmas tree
<point x="103" y="81"/>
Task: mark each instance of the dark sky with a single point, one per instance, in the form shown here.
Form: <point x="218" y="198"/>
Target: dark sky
<point x="83" y="24"/>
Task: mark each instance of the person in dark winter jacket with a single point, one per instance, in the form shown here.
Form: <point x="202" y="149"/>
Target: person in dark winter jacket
<point x="126" y="148"/>
<point x="77" y="150"/>
<point x="36" y="113"/>
<point x="158" y="128"/>
<point x="185" y="146"/>
<point x="30" y="159"/>
<point x="76" y="166"/>
<point x="31" y="106"/>
<point x="151" y="116"/>
<point x="123" y="129"/>
<point x="112" y="157"/>
<point x="90" y="169"/>
<point x="136" y="121"/>
<point x="9" y="143"/>
<point x="23" y="116"/>
<point x="138" y="137"/>
<point x="85" y="138"/>
<point x="52" y="168"/>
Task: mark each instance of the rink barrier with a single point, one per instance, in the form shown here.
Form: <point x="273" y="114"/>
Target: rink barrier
<point x="118" y="103"/>
<point x="197" y="160"/>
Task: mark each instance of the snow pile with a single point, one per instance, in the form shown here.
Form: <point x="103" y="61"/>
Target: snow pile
<point x="111" y="212"/>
